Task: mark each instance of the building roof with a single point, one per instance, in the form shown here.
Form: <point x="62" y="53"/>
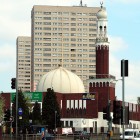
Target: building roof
<point x="62" y="81"/>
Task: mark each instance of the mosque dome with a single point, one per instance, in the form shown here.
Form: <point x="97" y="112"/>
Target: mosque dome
<point x="102" y="14"/>
<point x="62" y="81"/>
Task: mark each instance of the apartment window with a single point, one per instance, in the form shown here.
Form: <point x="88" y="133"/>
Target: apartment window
<point x="66" y="60"/>
<point x="47" y="13"/>
<point x="85" y="50"/>
<point x="73" y="29"/>
<point x="91" y="40"/>
<point x="92" y="30"/>
<point x="73" y="39"/>
<point x="91" y="61"/>
<point x="47" y="28"/>
<point x="91" y="19"/>
<point x="79" y="24"/>
<point x="47" y="18"/>
<point x="91" y="35"/>
<point x="66" y="24"/>
<point x="46" y="44"/>
<point x="91" y="66"/>
<point x="46" y="54"/>
<point x="91" y="45"/>
<point x="47" y="49"/>
<point x="79" y="14"/>
<point x="65" y="13"/>
<point x="59" y="24"/>
<point x="91" y="50"/>
<point x="73" y="24"/>
<point x="91" y="24"/>
<point x="65" y="39"/>
<point x="66" y="34"/>
<point x="73" y="55"/>
<point x="91" y="55"/>
<point x="65" y="18"/>
<point x="66" y="45"/>
<point x="46" y="65"/>
<point x="59" y="18"/>
<point x="73" y="34"/>
<point x="85" y="55"/>
<point x="84" y="29"/>
<point x="54" y="18"/>
<point x="85" y="61"/>
<point x="38" y="54"/>
<point x="73" y="19"/>
<point x="92" y="14"/>
<point x="91" y="71"/>
<point x="54" y="13"/>
<point x="47" y="34"/>
<point x="66" y="29"/>
<point x="46" y="60"/>
<point x="47" y="23"/>
<point x="66" y="55"/>
<point x="85" y="19"/>
<point x="59" y="13"/>
<point x="73" y="45"/>
<point x="73" y="14"/>
<point x="84" y="24"/>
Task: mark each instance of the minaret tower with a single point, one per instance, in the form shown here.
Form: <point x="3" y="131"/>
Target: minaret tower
<point x="102" y="84"/>
<point x="102" y="45"/>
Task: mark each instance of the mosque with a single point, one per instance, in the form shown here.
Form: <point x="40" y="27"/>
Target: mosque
<point x="86" y="113"/>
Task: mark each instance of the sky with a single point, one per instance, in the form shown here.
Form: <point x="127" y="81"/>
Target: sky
<point x="123" y="33"/>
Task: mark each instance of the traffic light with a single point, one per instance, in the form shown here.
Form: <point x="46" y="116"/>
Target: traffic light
<point x="106" y="114"/>
<point x="117" y="112"/>
<point x="13" y="83"/>
<point x="124" y="67"/>
<point x="7" y="115"/>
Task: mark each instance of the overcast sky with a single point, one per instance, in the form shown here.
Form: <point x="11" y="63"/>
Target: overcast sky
<point x="123" y="32"/>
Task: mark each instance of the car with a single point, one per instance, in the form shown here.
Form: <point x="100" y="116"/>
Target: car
<point x="130" y="134"/>
<point x="81" y="135"/>
<point x="137" y="137"/>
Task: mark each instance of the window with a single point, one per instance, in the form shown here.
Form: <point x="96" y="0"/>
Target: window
<point x="47" y="18"/>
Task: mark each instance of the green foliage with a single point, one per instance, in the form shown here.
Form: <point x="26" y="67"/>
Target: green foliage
<point x="49" y="107"/>
<point x="36" y="114"/>
<point x="22" y="103"/>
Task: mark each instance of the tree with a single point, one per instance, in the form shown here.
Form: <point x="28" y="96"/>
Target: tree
<point x="22" y="103"/>
<point x="36" y="114"/>
<point x="2" y="101"/>
<point x="50" y="110"/>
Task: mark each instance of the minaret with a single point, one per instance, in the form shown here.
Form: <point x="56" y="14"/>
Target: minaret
<point x="102" y="45"/>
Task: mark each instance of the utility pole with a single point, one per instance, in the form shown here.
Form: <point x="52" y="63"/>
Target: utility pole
<point x="124" y="72"/>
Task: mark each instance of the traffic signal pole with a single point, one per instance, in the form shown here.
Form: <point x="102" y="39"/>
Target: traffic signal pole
<point x="16" y="108"/>
<point x="123" y="104"/>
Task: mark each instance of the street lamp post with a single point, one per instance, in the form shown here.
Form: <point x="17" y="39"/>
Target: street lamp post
<point x="55" y="120"/>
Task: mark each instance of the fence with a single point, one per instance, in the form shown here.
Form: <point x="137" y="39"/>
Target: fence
<point x="58" y="137"/>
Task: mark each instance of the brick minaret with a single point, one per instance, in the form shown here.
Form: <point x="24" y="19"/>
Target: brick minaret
<point x="102" y="84"/>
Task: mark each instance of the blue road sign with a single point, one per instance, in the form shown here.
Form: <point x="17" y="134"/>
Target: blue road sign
<point x="20" y="112"/>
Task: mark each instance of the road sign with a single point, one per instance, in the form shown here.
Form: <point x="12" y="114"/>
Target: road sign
<point x="20" y="112"/>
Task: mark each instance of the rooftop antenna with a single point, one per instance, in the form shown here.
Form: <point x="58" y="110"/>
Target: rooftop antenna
<point x="101" y="4"/>
<point x="81" y="4"/>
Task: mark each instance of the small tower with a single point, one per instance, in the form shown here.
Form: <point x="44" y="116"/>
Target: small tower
<point x="102" y="84"/>
<point x="102" y="44"/>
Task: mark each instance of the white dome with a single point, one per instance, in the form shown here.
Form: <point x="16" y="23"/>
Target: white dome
<point x="62" y="81"/>
<point x="102" y="14"/>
